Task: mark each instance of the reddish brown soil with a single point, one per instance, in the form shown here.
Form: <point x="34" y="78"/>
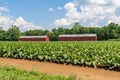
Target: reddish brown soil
<point x="66" y="70"/>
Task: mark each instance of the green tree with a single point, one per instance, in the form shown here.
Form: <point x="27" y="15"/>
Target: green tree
<point x="36" y="32"/>
<point x="2" y="34"/>
<point x="54" y="35"/>
<point x="76" y="28"/>
<point x="111" y="31"/>
<point x="13" y="33"/>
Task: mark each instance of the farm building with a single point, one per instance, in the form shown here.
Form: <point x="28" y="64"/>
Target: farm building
<point x="78" y="37"/>
<point x="34" y="38"/>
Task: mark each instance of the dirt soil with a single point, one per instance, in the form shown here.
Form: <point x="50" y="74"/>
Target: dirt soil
<point x="58" y="69"/>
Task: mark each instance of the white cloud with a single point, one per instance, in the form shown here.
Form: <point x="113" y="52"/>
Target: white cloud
<point x="3" y="9"/>
<point x="61" y="22"/>
<point x="59" y="8"/>
<point x="99" y="2"/>
<point x="71" y="16"/>
<point x="24" y="25"/>
<point x="69" y="6"/>
<point x="7" y="21"/>
<point x="51" y="9"/>
<point x="114" y="19"/>
<point x="90" y="13"/>
<point x="116" y="2"/>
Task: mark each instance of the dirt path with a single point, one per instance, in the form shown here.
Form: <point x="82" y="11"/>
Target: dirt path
<point x="57" y="69"/>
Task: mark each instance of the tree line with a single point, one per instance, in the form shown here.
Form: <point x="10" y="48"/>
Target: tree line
<point x="110" y="31"/>
<point x="12" y="34"/>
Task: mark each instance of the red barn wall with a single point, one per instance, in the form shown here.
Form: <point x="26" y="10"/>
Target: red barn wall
<point x="34" y="39"/>
<point x="78" y="38"/>
<point x="47" y="38"/>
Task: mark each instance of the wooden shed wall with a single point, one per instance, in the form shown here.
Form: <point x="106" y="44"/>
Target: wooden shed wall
<point x="93" y="38"/>
<point x="34" y="39"/>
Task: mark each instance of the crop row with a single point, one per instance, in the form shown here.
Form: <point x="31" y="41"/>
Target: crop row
<point x="92" y="54"/>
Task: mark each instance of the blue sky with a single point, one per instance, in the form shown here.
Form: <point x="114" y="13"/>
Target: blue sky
<point x="48" y="14"/>
<point x="36" y="11"/>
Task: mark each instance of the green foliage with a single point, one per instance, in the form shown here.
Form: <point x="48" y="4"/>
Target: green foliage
<point x="36" y="32"/>
<point x="13" y="33"/>
<point x="114" y="39"/>
<point x="92" y="54"/>
<point x="12" y="73"/>
<point x="110" y="31"/>
<point x="2" y="34"/>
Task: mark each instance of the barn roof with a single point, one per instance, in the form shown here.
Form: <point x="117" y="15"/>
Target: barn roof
<point x="33" y="36"/>
<point x="78" y="35"/>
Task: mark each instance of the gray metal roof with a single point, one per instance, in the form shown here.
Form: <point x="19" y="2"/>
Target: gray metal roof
<point x="33" y="36"/>
<point x="78" y="35"/>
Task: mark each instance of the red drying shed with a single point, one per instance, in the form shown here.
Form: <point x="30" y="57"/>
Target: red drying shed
<point x="34" y="38"/>
<point x="78" y="37"/>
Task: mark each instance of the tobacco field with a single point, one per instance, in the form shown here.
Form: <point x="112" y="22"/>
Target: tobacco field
<point x="99" y="54"/>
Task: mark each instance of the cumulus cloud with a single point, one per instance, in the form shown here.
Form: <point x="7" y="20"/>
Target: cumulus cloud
<point x="90" y="13"/>
<point x="3" y="9"/>
<point x="6" y="21"/>
<point x="99" y="2"/>
<point x="71" y="16"/>
<point x="24" y="25"/>
<point x="51" y="9"/>
<point x="59" y="8"/>
<point x="54" y="9"/>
